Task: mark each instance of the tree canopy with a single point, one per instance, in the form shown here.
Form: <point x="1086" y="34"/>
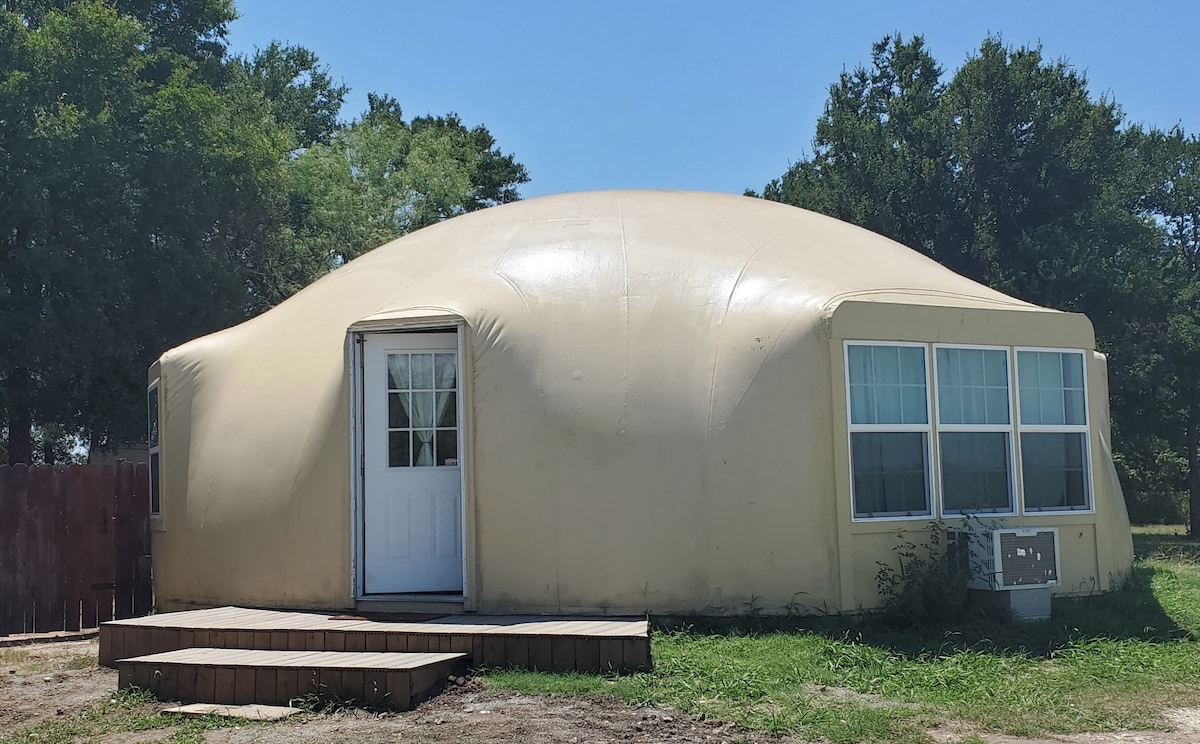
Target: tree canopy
<point x="158" y="189"/>
<point x="1010" y="172"/>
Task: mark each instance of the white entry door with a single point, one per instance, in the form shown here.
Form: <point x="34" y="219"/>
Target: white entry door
<point x="412" y="485"/>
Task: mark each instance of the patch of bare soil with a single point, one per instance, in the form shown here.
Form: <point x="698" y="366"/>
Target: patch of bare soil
<point x="44" y="680"/>
<point x="1183" y="723"/>
<point x="473" y="715"/>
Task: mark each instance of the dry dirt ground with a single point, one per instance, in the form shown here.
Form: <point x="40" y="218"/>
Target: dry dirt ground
<point x="47" y="681"/>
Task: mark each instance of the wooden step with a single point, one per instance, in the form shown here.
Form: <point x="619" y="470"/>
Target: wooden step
<point x="242" y="677"/>
<point x="543" y="643"/>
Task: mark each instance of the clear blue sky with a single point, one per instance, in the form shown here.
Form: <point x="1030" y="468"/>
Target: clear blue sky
<point x="697" y="95"/>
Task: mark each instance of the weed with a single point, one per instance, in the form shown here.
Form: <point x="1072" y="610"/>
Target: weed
<point x="925" y="583"/>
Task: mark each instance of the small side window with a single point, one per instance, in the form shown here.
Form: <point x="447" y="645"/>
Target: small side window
<point x="152" y="419"/>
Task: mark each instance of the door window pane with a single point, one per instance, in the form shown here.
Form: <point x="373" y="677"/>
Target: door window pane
<point x="422" y="371"/>
<point x="422" y="447"/>
<point x="975" y="471"/>
<point x="890" y="473"/>
<point x="397" y="371"/>
<point x="398" y="449"/>
<point x="422" y="413"/>
<point x="398" y="406"/>
<point x="445" y="371"/>
<point x="1054" y="469"/>
<point x="447" y="446"/>
<point x="447" y="410"/>
<point x="422" y="410"/>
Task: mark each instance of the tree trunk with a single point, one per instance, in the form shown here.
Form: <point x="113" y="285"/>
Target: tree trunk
<point x="1193" y="472"/>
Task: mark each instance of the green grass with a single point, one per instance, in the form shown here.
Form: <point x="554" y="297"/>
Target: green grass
<point x="1102" y="663"/>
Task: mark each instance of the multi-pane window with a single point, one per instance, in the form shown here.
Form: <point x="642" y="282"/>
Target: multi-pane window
<point x="152" y="440"/>
<point x="982" y="422"/>
<point x="974" y="430"/>
<point x="422" y="409"/>
<point x="889" y="430"/>
<point x="1053" y="430"/>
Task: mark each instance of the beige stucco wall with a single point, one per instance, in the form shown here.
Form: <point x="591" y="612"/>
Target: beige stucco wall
<point x="653" y="424"/>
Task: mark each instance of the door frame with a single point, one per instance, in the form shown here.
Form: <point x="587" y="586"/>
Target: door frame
<point x="355" y="340"/>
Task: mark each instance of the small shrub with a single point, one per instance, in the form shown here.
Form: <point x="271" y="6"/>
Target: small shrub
<point x="925" y="585"/>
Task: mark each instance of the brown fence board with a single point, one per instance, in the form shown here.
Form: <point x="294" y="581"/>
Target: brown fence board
<point x="27" y="564"/>
<point x="74" y="546"/>
<point x="8" y="552"/>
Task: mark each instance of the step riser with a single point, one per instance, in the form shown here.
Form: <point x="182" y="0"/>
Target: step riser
<point x="267" y="685"/>
<point x="522" y="651"/>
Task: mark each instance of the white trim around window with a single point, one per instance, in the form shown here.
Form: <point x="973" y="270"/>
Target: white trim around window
<point x="1048" y="452"/>
<point x="998" y="417"/>
<point x="1066" y="399"/>
<point x="901" y="419"/>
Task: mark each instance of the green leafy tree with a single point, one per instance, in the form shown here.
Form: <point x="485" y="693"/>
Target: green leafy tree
<point x="134" y="190"/>
<point x="381" y="177"/>
<point x="1010" y="173"/>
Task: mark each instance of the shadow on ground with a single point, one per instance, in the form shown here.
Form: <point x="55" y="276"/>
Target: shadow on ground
<point x="1131" y="613"/>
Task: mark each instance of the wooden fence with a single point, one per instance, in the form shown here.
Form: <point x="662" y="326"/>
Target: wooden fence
<point x="74" y="546"/>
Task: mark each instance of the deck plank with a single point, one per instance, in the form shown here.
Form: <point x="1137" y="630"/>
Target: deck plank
<point x="589" y="643"/>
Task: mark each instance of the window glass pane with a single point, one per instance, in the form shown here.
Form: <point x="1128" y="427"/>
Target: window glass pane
<point x="422" y="448"/>
<point x="1049" y="370"/>
<point x="397" y="371"/>
<point x="995" y="369"/>
<point x="862" y="405"/>
<point x="1051" y="412"/>
<point x="422" y="371"/>
<point x="887" y="385"/>
<point x="155" y="498"/>
<point x="914" y="405"/>
<point x="422" y="410"/>
<point x="152" y="416"/>
<point x="859" y="360"/>
<point x="398" y="410"/>
<point x="445" y="371"/>
<point x="912" y="365"/>
<point x="447" y="447"/>
<point x="972" y="386"/>
<point x="447" y="412"/>
<point x="886" y="364"/>
<point x="997" y="404"/>
<point x="1072" y="371"/>
<point x="1074" y="407"/>
<point x="890" y="473"/>
<point x="398" y="449"/>
<point x="950" y="407"/>
<point x="1054" y="470"/>
<point x="1051" y="388"/>
<point x="1031" y="406"/>
<point x="975" y="468"/>
<point x="887" y="405"/>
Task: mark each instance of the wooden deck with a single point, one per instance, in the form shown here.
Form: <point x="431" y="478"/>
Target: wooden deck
<point x="241" y="677"/>
<point x="592" y="644"/>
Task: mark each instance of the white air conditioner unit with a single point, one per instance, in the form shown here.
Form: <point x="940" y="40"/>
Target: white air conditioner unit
<point x="1009" y="558"/>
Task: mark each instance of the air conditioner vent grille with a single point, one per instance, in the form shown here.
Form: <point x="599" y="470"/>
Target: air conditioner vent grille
<point x="1028" y="559"/>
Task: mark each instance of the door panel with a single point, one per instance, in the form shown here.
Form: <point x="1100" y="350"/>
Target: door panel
<point x="412" y="485"/>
